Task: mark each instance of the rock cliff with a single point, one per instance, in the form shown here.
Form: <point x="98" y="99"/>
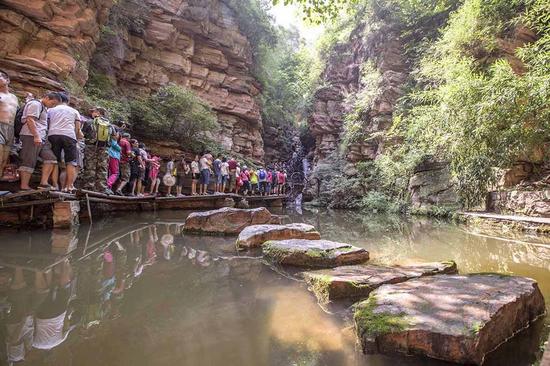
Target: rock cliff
<point x="52" y="44"/>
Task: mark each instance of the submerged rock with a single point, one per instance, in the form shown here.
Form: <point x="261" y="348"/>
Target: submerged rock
<point x="359" y="281"/>
<point x="225" y="221"/>
<point x="256" y="235"/>
<point x="313" y="253"/>
<point x="448" y="317"/>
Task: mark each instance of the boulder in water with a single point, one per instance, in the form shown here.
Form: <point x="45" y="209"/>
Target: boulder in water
<point x="313" y="253"/>
<point x="354" y="282"/>
<point x="225" y="221"/>
<point x="256" y="235"/>
<point x="448" y="317"/>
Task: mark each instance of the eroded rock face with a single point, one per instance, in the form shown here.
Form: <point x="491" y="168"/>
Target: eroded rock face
<point x="431" y="184"/>
<point x="449" y="317"/>
<point x="256" y="235"/>
<point x="520" y="202"/>
<point x="51" y="45"/>
<point x="342" y="76"/>
<point x="225" y="221"/>
<point x="353" y="282"/>
<point x="313" y="253"/>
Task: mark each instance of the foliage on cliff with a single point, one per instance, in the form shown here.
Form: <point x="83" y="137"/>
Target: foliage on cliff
<point x="473" y="108"/>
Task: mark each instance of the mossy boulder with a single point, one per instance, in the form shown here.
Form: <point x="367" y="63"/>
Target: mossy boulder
<point x="256" y="235"/>
<point x="448" y="317"/>
<point x="355" y="282"/>
<point x="225" y="221"/>
<point x="313" y="253"/>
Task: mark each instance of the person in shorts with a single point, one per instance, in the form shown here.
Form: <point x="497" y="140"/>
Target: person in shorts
<point x="195" y="175"/>
<point x="205" y="164"/>
<point x="33" y="140"/>
<point x="224" y="170"/>
<point x="8" y="110"/>
<point x="63" y="133"/>
<point x="232" y="165"/>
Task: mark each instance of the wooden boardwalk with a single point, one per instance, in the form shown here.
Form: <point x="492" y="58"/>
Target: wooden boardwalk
<point x="514" y="218"/>
<point x="38" y="207"/>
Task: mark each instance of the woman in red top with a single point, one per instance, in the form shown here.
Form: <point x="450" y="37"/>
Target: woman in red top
<point x="245" y="178"/>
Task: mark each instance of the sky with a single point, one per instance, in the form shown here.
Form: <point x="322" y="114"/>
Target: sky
<point x="287" y="16"/>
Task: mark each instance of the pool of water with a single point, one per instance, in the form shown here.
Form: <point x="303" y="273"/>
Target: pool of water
<point x="132" y="290"/>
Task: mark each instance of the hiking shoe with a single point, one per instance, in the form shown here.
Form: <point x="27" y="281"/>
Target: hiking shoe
<point x="44" y="187"/>
<point x="118" y="192"/>
<point x="109" y="192"/>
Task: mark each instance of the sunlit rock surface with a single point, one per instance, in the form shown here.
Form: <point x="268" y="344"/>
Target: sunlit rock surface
<point x="225" y="221"/>
<point x="449" y="317"/>
<point x="353" y="282"/>
<point x="256" y="235"/>
<point x="313" y="253"/>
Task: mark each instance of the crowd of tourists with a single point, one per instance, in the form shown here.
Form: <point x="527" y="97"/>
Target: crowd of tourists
<point x="95" y="154"/>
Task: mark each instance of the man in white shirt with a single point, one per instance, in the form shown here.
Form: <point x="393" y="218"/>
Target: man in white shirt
<point x="64" y="130"/>
<point x="8" y="109"/>
<point x="205" y="162"/>
<point x="33" y="136"/>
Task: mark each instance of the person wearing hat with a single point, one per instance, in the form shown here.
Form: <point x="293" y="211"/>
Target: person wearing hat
<point x="96" y="156"/>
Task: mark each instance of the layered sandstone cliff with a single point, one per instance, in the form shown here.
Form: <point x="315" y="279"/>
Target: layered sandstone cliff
<point x="48" y="44"/>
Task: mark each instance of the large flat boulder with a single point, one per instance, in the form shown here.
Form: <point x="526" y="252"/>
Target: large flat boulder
<point x="255" y="235"/>
<point x="448" y="317"/>
<point x="354" y="282"/>
<point x="313" y="253"/>
<point x="225" y="221"/>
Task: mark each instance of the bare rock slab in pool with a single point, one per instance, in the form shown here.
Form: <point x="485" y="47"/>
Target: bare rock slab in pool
<point x="313" y="253"/>
<point x="225" y="221"/>
<point x="255" y="235"/>
<point x="355" y="282"/>
<point x="448" y="317"/>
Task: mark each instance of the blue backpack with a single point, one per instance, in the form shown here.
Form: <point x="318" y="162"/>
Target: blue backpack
<point x="262" y="175"/>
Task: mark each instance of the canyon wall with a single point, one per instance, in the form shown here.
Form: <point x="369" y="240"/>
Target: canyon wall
<point x="52" y="45"/>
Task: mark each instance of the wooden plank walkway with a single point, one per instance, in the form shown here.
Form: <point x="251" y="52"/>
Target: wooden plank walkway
<point x="514" y="218"/>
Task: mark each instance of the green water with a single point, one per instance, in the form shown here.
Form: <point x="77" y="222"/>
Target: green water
<point x="133" y="291"/>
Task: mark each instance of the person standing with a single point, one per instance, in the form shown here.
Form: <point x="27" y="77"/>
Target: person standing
<point x="253" y="181"/>
<point x="125" y="156"/>
<point x="262" y="181"/>
<point x="183" y="171"/>
<point x="8" y="110"/>
<point x="217" y="167"/>
<point x="114" y="161"/>
<point x="224" y="170"/>
<point x="195" y="171"/>
<point x="63" y="133"/>
<point x="33" y="137"/>
<point x="245" y="179"/>
<point x="205" y="164"/>
<point x="96" y="156"/>
<point x="232" y="165"/>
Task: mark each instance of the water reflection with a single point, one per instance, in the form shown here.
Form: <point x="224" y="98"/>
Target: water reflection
<point x="134" y="291"/>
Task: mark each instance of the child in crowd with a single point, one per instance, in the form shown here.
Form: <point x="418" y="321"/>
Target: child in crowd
<point x="114" y="161"/>
<point x="183" y="170"/>
<point x="153" y="175"/>
<point x="196" y="173"/>
<point x="224" y="168"/>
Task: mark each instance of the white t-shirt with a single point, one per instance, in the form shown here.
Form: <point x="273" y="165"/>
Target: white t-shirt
<point x="195" y="167"/>
<point x="204" y="163"/>
<point x="49" y="332"/>
<point x="32" y="109"/>
<point x="8" y="108"/>
<point x="225" y="168"/>
<point x="62" y="121"/>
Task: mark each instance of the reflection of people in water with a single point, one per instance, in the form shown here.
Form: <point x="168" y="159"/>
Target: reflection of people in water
<point x="38" y="316"/>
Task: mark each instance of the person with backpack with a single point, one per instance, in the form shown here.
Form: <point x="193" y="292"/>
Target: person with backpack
<point x="114" y="152"/>
<point x="99" y="132"/>
<point x="262" y="181"/>
<point x="32" y="134"/>
<point x="8" y="110"/>
<point x="63" y="132"/>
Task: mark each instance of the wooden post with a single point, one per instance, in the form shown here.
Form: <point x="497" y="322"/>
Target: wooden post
<point x="65" y="214"/>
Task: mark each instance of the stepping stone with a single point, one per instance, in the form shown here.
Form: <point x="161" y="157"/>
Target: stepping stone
<point x="255" y="235"/>
<point x="448" y="317"/>
<point x="313" y="253"/>
<point x="353" y="282"/>
<point x="225" y="221"/>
